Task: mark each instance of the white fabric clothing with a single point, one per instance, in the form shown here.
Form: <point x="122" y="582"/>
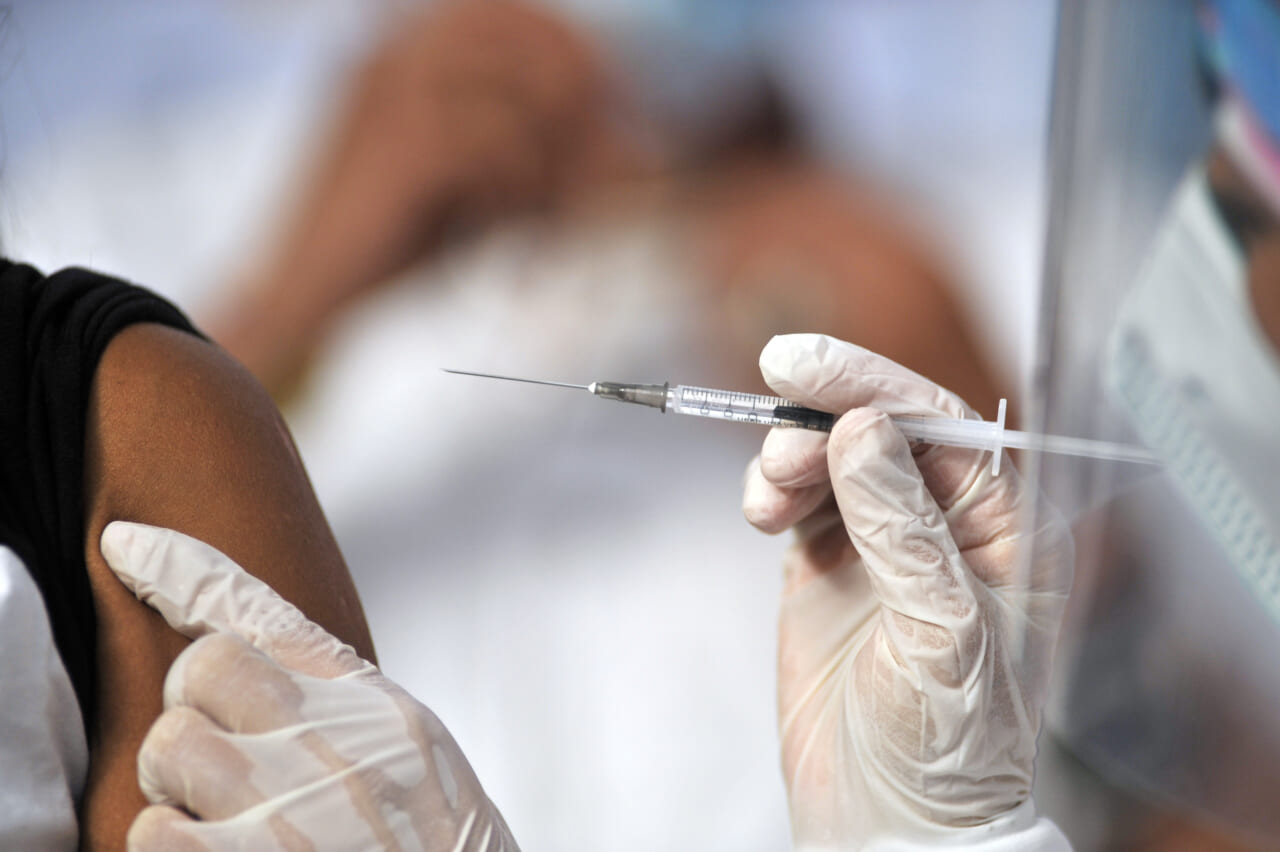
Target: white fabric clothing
<point x="43" y="753"/>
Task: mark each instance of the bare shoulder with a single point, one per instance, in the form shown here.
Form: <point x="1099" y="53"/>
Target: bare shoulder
<point x="179" y="435"/>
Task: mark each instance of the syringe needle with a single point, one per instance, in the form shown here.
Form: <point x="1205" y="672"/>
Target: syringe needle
<point x="514" y="379"/>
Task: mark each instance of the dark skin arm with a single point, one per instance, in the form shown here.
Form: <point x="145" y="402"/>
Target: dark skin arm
<point x="179" y="435"/>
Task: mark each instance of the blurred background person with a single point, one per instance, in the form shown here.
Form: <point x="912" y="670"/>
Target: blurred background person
<point x="465" y="115"/>
<point x="619" y="190"/>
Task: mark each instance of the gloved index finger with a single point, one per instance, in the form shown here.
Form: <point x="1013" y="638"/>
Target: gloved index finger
<point x="822" y="372"/>
<point x="831" y="375"/>
<point x="199" y="590"/>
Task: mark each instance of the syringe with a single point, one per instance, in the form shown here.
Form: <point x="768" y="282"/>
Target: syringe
<point x="742" y="407"/>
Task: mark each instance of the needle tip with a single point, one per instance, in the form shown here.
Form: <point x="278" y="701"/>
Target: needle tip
<point x="513" y="379"/>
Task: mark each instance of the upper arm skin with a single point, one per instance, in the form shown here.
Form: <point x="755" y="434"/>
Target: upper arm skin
<point x="179" y="435"/>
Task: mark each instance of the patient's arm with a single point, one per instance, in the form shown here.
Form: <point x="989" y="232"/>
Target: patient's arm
<point x="179" y="435"/>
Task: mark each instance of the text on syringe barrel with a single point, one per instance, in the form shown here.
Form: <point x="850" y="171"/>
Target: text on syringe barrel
<point x="746" y="408"/>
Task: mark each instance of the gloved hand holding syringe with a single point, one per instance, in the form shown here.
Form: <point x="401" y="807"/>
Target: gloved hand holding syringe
<point x="920" y="605"/>
<point x="742" y="407"/>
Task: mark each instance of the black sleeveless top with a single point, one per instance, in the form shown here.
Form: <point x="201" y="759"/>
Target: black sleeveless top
<point x="53" y="331"/>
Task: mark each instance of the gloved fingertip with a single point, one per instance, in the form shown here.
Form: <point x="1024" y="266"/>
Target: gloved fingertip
<point x="763" y="503"/>
<point x="159" y="827"/>
<point x="780" y="345"/>
<point x="862" y="425"/>
<point x="121" y="544"/>
<point x="794" y="457"/>
<point x="116" y="540"/>
<point x="780" y="355"/>
<point x="206" y="663"/>
<point x="174" y="691"/>
<point x="864" y="434"/>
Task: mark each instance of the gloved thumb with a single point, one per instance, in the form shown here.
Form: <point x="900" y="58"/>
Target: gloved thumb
<point x="200" y="590"/>
<point x="913" y="563"/>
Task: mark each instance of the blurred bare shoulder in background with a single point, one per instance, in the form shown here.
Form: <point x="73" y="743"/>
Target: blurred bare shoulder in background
<point x="467" y="115"/>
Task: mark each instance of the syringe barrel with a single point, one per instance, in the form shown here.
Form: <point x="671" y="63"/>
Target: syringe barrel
<point x="745" y="408"/>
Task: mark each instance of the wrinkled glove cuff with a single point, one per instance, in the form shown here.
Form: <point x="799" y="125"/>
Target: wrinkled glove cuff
<point x="1020" y="830"/>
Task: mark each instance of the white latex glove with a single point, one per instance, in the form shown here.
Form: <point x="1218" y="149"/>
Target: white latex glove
<point x="913" y="660"/>
<point x="275" y="735"/>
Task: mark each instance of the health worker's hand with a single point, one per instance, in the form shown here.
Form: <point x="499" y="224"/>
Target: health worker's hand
<point x="275" y="735"/>
<point x="918" y="617"/>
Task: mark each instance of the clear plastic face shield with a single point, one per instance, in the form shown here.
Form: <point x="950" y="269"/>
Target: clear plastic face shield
<point x="1159" y="326"/>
